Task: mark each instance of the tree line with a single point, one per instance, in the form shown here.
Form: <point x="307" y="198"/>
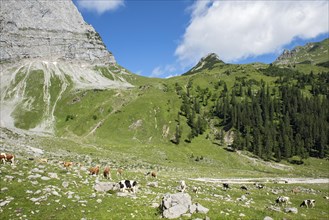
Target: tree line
<point x="273" y="122"/>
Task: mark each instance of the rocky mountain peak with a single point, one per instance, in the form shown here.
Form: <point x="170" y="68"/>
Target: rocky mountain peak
<point x="311" y="53"/>
<point x="206" y="62"/>
<point x="51" y="30"/>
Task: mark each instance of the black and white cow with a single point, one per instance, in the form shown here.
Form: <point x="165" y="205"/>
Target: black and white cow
<point x="129" y="185"/>
<point x="308" y="203"/>
<point x="282" y="200"/>
<point x="259" y="185"/>
<point x="244" y="188"/>
<point x="226" y="186"/>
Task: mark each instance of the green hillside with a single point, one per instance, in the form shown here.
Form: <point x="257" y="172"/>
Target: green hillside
<point x="254" y="122"/>
<point x="316" y="53"/>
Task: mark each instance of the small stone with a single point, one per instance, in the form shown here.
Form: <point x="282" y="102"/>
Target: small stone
<point x="6" y="202"/>
<point x="55" y="193"/>
<point x="65" y="184"/>
<point x="45" y="178"/>
<point x="53" y="175"/>
<point x="291" y="209"/>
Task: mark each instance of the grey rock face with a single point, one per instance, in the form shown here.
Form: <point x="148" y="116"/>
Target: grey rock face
<point x="52" y="30"/>
<point x="175" y="205"/>
<point x="179" y="204"/>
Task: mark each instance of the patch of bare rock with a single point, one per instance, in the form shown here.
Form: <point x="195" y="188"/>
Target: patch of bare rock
<point x="179" y="204"/>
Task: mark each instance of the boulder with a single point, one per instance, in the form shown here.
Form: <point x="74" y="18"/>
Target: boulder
<point x="291" y="210"/>
<point x="201" y="209"/>
<point x="175" y="205"/>
<point x="153" y="184"/>
<point x="179" y="204"/>
<point x="103" y="186"/>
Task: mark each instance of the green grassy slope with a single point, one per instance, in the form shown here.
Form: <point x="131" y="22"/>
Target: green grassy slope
<point x="312" y="53"/>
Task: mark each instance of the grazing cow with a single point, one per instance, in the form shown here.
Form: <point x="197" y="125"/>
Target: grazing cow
<point x="119" y="172"/>
<point x="107" y="173"/>
<point x="244" y="188"/>
<point x="129" y="185"/>
<point x="195" y="189"/>
<point x="182" y="186"/>
<point x="259" y="185"/>
<point x="67" y="164"/>
<point x="7" y="158"/>
<point x="282" y="200"/>
<point x="94" y="170"/>
<point x="295" y="190"/>
<point x="226" y="186"/>
<point x="3" y="157"/>
<point x="326" y="197"/>
<point x="152" y="174"/>
<point x="308" y="203"/>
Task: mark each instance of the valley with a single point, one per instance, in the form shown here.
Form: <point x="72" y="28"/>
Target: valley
<point x="224" y="141"/>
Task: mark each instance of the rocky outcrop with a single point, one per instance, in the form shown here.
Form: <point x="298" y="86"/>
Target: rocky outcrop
<point x="51" y="30"/>
<point x="176" y="205"/>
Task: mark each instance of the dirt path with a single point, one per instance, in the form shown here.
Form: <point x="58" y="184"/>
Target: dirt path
<point x="265" y="180"/>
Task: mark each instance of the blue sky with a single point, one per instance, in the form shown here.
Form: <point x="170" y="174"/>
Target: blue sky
<point x="165" y="38"/>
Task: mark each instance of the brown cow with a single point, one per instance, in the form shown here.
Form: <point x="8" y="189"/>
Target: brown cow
<point x="152" y="174"/>
<point x="67" y="164"/>
<point x="7" y="158"/>
<point x="107" y="173"/>
<point x="295" y="190"/>
<point x="94" y="170"/>
<point x="119" y="171"/>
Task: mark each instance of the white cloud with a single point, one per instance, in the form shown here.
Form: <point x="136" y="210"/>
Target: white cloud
<point x="161" y="71"/>
<point x="241" y="29"/>
<point x="100" y="6"/>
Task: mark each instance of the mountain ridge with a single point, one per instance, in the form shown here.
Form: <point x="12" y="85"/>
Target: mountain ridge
<point x="314" y="53"/>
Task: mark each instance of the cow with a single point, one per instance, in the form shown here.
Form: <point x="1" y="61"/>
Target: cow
<point x="107" y="173"/>
<point x="7" y="158"/>
<point x="94" y="170"/>
<point x="226" y="186"/>
<point x="67" y="164"/>
<point x="152" y="174"/>
<point x="244" y="188"/>
<point x="308" y="203"/>
<point x="3" y="157"/>
<point x="182" y="186"/>
<point x="129" y="185"/>
<point x="119" y="172"/>
<point x="259" y="185"/>
<point x="282" y="200"/>
<point x="195" y="189"/>
<point x="295" y="190"/>
<point x="326" y="197"/>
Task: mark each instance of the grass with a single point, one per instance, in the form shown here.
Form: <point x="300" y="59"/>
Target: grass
<point x="85" y="204"/>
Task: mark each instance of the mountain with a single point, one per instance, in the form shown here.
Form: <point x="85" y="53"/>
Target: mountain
<point x="213" y="104"/>
<point x="206" y="63"/>
<point x="316" y="53"/>
<point x="48" y="51"/>
<point x="51" y="30"/>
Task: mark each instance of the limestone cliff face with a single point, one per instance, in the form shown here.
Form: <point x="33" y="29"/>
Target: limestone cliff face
<point x="47" y="52"/>
<point x="51" y="30"/>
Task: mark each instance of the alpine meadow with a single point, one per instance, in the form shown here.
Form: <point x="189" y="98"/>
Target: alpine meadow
<point x="82" y="137"/>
